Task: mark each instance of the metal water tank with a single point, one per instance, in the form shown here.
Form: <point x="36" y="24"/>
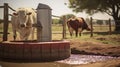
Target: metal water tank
<point x="44" y="19"/>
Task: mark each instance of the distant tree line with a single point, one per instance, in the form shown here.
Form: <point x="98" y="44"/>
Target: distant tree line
<point x="60" y="20"/>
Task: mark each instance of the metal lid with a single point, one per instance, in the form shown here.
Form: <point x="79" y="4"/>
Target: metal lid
<point x="43" y="6"/>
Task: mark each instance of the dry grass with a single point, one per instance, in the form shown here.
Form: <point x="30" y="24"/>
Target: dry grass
<point x="99" y="43"/>
<point x="98" y="36"/>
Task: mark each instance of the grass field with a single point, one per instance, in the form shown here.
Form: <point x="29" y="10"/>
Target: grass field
<point x="101" y="43"/>
<point x="101" y="34"/>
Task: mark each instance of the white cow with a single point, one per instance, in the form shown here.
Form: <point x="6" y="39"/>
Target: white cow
<point x="22" y="21"/>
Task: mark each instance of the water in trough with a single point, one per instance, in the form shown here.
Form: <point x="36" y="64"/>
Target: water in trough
<point x="74" y="59"/>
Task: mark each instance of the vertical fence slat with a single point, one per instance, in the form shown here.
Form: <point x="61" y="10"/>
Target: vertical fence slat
<point x="110" y="27"/>
<point x="5" y="31"/>
<point x="64" y="26"/>
<point x="91" y="27"/>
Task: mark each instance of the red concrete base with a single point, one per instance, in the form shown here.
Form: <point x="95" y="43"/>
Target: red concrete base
<point x="33" y="51"/>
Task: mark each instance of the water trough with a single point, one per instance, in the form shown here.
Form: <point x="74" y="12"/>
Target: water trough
<point x="42" y="49"/>
<point x="34" y="51"/>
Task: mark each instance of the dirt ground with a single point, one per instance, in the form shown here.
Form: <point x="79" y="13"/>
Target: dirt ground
<point x="93" y="48"/>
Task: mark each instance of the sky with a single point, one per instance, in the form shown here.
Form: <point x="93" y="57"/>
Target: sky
<point x="58" y="7"/>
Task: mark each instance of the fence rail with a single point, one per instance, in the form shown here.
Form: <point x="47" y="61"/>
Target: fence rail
<point x="11" y="8"/>
<point x="6" y="8"/>
<point x="102" y="25"/>
<point x="1" y="6"/>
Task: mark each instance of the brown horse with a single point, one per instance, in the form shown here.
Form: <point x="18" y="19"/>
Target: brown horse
<point x="77" y="25"/>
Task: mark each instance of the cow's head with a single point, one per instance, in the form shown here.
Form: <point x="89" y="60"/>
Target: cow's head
<point x="23" y="16"/>
<point x="84" y="24"/>
<point x="86" y="27"/>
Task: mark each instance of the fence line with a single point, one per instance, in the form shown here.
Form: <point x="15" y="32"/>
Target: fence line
<point x="91" y="35"/>
<point x="5" y="25"/>
<point x="109" y="26"/>
<point x="6" y="8"/>
<point x="56" y="16"/>
<point x="64" y="25"/>
<point x="11" y="8"/>
<point x="1" y="6"/>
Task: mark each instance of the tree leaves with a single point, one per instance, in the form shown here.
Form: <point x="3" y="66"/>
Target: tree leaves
<point x="94" y="6"/>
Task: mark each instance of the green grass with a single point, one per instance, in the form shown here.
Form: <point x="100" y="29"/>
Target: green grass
<point x="101" y="35"/>
<point x="98" y="36"/>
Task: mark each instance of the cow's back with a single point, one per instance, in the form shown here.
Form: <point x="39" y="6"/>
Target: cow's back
<point x="74" y="24"/>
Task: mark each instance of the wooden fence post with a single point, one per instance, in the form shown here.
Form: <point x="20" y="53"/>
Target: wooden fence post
<point x="91" y="27"/>
<point x="64" y="27"/>
<point x="5" y="31"/>
<point x="110" y="26"/>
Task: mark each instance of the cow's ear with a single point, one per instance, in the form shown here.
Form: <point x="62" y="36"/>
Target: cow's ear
<point x="29" y="13"/>
<point x="15" y="13"/>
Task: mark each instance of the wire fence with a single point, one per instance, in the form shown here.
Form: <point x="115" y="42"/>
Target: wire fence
<point x="5" y="25"/>
<point x="5" y="8"/>
<point x="97" y="25"/>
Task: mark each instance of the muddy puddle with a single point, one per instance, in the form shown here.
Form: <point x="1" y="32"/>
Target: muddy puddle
<point x="84" y="59"/>
<point x="74" y="59"/>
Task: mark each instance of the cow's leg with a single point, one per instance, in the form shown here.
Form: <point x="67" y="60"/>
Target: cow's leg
<point x="27" y="35"/>
<point x="80" y="30"/>
<point x="80" y="34"/>
<point x="14" y="34"/>
<point x="71" y="31"/>
<point x="14" y="31"/>
<point x="32" y="32"/>
<point x="24" y="37"/>
<point x="21" y="37"/>
<point x="71" y="34"/>
<point x="76" y="32"/>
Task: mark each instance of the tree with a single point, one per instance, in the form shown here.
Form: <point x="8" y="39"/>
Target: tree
<point x="111" y="7"/>
<point x="100" y="22"/>
<point x="67" y="17"/>
<point x="55" y="21"/>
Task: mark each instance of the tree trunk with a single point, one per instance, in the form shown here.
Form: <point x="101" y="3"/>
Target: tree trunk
<point x="117" y="25"/>
<point x="117" y="22"/>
